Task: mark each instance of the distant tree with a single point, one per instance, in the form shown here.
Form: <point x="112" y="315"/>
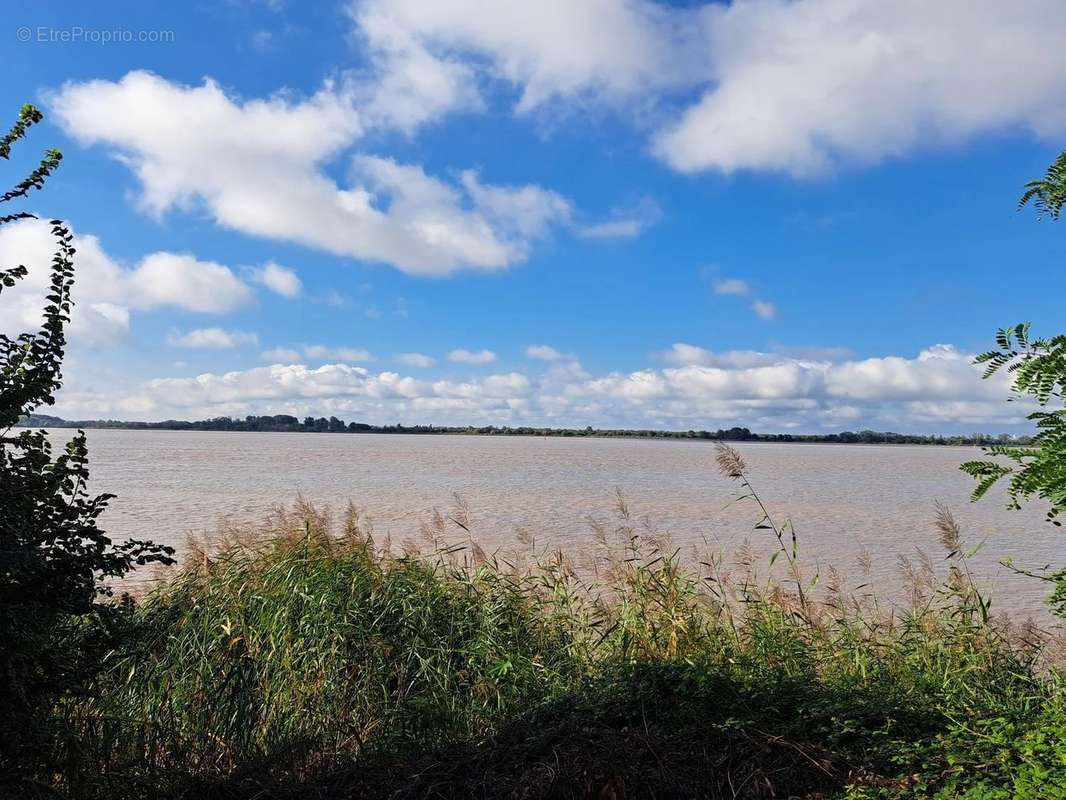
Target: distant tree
<point x="54" y="561"/>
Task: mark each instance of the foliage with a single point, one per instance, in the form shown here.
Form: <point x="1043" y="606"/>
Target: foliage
<point x="1048" y="194"/>
<point x="1038" y="370"/>
<point x="54" y="560"/>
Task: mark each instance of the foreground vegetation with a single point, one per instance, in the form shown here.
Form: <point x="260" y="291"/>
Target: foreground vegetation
<point x="307" y="659"/>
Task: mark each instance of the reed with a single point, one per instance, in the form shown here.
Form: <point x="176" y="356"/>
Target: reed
<point x="306" y="657"/>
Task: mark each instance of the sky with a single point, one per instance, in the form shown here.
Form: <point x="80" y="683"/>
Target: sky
<point x="790" y="215"/>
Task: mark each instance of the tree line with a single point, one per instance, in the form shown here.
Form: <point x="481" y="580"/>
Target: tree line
<point x="287" y="423"/>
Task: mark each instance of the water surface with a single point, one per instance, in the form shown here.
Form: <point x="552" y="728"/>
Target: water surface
<point x="843" y="499"/>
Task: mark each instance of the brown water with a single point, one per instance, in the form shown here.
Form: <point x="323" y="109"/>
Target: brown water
<point x="842" y="498"/>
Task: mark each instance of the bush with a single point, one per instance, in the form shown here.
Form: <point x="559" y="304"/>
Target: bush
<point x="54" y="560"/>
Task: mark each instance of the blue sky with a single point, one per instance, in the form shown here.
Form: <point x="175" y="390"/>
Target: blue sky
<point x="787" y="215"/>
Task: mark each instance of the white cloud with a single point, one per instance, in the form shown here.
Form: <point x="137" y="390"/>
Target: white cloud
<point x="409" y="85"/>
<point x="551" y="50"/>
<point x="281" y="355"/>
<point x="794" y="86"/>
<point x="815" y="353"/>
<point x="179" y="279"/>
<point x="256" y="167"/>
<point x="685" y="355"/>
<point x="461" y="356"/>
<point x="212" y="338"/>
<point x="625" y="224"/>
<point x="497" y="233"/>
<point x="105" y="291"/>
<point x="682" y="354"/>
<point x="731" y="286"/>
<point x="628" y="228"/>
<point x="278" y="279"/>
<point x="528" y="210"/>
<point x="543" y="352"/>
<point x="764" y="309"/>
<point x="739" y="288"/>
<point x="317" y="352"/>
<point x="938" y="390"/>
<point x="801" y="86"/>
<point x="94" y="323"/>
<point x="415" y="360"/>
<point x="322" y="353"/>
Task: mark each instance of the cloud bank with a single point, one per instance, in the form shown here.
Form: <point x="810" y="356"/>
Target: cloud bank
<point x="937" y="390"/>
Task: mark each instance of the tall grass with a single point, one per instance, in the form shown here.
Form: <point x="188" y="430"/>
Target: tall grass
<point x="305" y="656"/>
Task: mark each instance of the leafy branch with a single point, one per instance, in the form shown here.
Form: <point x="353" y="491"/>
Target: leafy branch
<point x="1037" y="368"/>
<point x="1048" y="194"/>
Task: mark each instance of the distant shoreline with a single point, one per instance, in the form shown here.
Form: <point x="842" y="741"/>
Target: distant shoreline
<point x="284" y="423"/>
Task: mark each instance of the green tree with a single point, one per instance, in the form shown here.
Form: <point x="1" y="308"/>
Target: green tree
<point x="1037" y="367"/>
<point x="55" y="563"/>
<point x="1038" y="371"/>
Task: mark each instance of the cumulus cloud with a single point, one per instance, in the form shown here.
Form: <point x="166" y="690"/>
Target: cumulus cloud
<point x="106" y="291"/>
<point x="815" y="353"/>
<point x="415" y="360"/>
<point x="179" y="279"/>
<point x="212" y="338"/>
<point x="462" y="356"/>
<point x="682" y="353"/>
<point x="686" y="355"/>
<point x="552" y="50"/>
<point x="801" y="86"/>
<point x="341" y="387"/>
<point x="543" y="352"/>
<point x="257" y="167"/>
<point x="795" y="86"/>
<point x="939" y="389"/>
<point x="278" y="279"/>
<point x="409" y="85"/>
